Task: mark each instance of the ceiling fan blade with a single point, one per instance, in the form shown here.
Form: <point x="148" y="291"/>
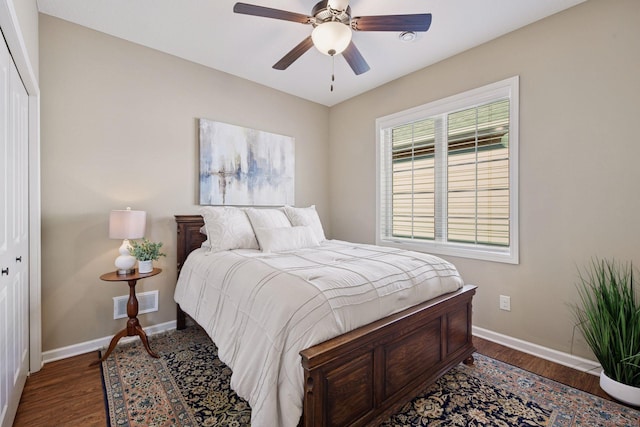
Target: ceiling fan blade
<point x="267" y="12"/>
<point x="416" y="22"/>
<point x="355" y="59"/>
<point x="294" y="54"/>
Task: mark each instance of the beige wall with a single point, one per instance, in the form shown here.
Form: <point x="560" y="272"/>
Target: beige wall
<point x="579" y="151"/>
<point x="119" y="128"/>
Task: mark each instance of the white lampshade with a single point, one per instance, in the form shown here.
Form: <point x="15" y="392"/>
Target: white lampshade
<point x="331" y="38"/>
<point x="126" y="224"/>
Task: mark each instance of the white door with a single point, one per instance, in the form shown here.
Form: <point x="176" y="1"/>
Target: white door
<point x="14" y="237"/>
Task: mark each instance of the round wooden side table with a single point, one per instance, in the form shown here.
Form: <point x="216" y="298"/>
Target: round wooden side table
<point x="133" y="325"/>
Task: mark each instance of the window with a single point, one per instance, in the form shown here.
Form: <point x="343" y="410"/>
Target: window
<point x="447" y="175"/>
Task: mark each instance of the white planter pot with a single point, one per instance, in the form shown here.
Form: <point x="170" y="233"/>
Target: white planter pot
<point x="145" y="266"/>
<point x="622" y="392"/>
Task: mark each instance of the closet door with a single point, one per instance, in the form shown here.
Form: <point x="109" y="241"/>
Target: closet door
<point x="14" y="237"/>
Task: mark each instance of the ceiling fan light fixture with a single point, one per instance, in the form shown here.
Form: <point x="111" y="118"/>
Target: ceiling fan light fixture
<point x="338" y="4"/>
<point x="331" y="38"/>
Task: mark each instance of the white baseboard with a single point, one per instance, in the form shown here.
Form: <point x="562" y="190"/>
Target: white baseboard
<point x="100" y="343"/>
<point x="566" y="359"/>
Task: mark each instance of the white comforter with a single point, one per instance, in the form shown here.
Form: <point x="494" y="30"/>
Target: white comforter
<point x="262" y="309"/>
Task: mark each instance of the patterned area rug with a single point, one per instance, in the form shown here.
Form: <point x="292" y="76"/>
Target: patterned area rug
<point x="189" y="386"/>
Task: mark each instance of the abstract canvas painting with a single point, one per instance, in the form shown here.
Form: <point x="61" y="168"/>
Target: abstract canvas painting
<point x="245" y="167"/>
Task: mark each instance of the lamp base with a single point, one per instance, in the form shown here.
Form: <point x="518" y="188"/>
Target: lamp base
<point x="125" y="263"/>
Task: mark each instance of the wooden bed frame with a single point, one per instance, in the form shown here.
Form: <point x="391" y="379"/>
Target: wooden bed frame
<point x="361" y="377"/>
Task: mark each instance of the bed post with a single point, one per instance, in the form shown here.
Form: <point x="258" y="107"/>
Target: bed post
<point x="181" y="318"/>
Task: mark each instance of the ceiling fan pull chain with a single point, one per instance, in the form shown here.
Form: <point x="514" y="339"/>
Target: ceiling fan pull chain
<point x="333" y="70"/>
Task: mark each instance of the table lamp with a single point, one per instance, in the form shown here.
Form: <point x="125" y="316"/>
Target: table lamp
<point x="126" y="224"/>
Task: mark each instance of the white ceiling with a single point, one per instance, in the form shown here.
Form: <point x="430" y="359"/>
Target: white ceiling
<point x="209" y="33"/>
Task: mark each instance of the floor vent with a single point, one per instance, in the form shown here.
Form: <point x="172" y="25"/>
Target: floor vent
<point x="147" y="303"/>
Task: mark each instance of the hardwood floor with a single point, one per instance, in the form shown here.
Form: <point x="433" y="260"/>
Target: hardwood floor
<point x="69" y="392"/>
<point x="560" y="373"/>
<point x="65" y="393"/>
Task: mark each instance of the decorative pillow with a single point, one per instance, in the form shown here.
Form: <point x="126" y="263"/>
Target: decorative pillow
<point x="267" y="218"/>
<point x="228" y="228"/>
<point x="306" y="216"/>
<point x="285" y="238"/>
<point x="206" y="244"/>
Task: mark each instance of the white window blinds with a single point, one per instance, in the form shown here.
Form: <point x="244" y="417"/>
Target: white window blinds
<point x="447" y="175"/>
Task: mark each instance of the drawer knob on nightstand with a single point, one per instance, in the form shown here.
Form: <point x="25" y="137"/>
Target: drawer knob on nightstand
<point x="5" y="271"/>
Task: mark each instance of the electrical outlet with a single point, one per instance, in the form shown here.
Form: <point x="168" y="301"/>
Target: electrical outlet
<point x="505" y="303"/>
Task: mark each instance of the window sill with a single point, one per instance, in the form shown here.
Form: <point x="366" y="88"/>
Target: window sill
<point x="483" y="253"/>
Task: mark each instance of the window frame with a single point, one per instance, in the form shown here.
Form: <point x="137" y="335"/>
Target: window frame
<point x="507" y="88"/>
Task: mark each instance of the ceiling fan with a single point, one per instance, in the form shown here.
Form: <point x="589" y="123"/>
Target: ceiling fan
<point x="332" y="29"/>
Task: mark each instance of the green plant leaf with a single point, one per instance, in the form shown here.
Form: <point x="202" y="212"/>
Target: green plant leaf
<point x="145" y="250"/>
<point x="608" y="315"/>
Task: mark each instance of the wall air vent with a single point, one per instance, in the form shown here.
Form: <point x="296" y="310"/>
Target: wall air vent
<point x="147" y="303"/>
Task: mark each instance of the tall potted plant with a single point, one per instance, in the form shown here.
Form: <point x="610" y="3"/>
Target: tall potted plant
<point x="608" y="315"/>
<point x="145" y="252"/>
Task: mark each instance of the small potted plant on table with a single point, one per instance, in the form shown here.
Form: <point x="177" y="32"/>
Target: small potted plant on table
<point x="145" y="252"/>
<point x="609" y="318"/>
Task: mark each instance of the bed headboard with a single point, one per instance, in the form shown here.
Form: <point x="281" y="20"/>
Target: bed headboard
<point x="189" y="236"/>
<point x="189" y="239"/>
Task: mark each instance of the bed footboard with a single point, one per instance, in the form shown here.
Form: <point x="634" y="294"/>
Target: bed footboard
<point x="362" y="377"/>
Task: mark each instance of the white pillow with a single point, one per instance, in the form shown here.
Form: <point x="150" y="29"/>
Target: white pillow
<point x="285" y="238"/>
<point x="228" y="228"/>
<point x="306" y="216"/>
<point x="206" y="244"/>
<point x="267" y="218"/>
